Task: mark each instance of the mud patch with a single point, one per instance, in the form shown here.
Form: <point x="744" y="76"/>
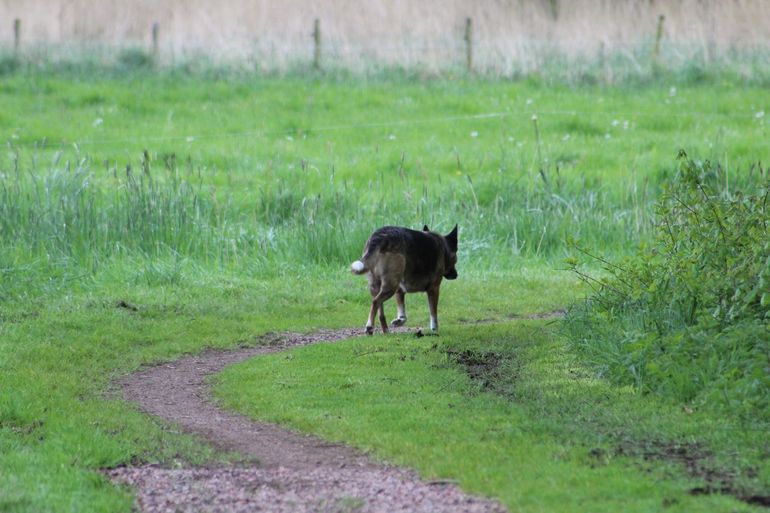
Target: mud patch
<point x="485" y="368"/>
<point x="481" y="367"/>
<point x="698" y="463"/>
<point x="126" y="306"/>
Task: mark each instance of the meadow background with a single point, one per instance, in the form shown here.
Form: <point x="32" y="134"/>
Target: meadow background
<point x="158" y="200"/>
<point x="508" y="37"/>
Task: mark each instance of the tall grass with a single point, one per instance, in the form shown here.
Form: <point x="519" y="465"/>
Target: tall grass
<point x="67" y="215"/>
<point x="508" y="36"/>
<point x="577" y="40"/>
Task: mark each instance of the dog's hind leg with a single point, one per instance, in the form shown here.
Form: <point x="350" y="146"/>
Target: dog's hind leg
<point x="386" y="275"/>
<point x="400" y="319"/>
<point x="383" y="320"/>
<point x="377" y="302"/>
<point x="374" y="289"/>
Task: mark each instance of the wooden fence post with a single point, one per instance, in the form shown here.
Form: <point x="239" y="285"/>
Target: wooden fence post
<point x="469" y="44"/>
<point x="317" y="44"/>
<point x="658" y="37"/>
<point x="16" y="36"/>
<point x="155" y="46"/>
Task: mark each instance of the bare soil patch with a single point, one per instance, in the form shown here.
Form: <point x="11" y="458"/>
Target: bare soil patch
<point x="292" y="471"/>
<point x="483" y="367"/>
<point x="698" y="463"/>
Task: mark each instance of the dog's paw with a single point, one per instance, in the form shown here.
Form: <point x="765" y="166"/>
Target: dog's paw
<point x="398" y="321"/>
<point x="370" y="330"/>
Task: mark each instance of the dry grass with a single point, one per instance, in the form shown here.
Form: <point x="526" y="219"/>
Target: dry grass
<point x="428" y="33"/>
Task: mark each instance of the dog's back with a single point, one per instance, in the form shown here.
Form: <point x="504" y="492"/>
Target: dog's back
<point x="424" y="253"/>
<point x="399" y="260"/>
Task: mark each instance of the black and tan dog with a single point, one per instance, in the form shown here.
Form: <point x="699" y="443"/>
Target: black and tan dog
<point x="399" y="260"/>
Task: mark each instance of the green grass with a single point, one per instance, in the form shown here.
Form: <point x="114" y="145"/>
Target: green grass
<point x="257" y="191"/>
<point x="250" y="172"/>
<point x="551" y="437"/>
<point x="60" y="421"/>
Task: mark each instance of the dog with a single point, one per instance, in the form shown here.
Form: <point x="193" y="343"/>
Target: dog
<point x="399" y="260"/>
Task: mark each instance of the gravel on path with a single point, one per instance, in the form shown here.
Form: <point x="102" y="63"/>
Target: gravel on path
<point x="293" y="472"/>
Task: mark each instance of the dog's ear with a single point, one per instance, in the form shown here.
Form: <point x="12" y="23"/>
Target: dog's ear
<point x="451" y="238"/>
<point x="425" y="228"/>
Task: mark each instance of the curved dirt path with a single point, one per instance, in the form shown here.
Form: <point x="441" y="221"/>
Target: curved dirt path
<point x="293" y="472"/>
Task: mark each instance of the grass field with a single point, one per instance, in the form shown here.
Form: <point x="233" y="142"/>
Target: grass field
<point x="509" y="413"/>
<point x="144" y="215"/>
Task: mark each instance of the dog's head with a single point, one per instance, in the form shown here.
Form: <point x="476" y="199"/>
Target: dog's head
<point x="450" y="252"/>
<point x="451" y="255"/>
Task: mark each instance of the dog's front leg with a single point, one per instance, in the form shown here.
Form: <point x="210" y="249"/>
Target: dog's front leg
<point x="433" y="307"/>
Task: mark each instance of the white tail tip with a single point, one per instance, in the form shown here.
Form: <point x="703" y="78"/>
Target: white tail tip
<point x="357" y="267"/>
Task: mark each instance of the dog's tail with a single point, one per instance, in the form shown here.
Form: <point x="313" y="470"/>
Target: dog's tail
<point x="358" y="267"/>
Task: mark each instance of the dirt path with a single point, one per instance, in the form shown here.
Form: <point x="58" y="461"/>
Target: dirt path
<point x="294" y="472"/>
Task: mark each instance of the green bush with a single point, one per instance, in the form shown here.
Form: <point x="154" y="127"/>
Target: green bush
<point x="687" y="316"/>
<point x="135" y="59"/>
<point x="8" y="64"/>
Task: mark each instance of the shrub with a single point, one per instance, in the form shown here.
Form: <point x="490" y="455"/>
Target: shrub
<point x="135" y="59"/>
<point x="687" y="316"/>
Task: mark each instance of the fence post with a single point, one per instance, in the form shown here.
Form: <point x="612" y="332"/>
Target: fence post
<point x="317" y="44"/>
<point x="603" y="62"/>
<point x="16" y="36"/>
<point x="155" y="46"/>
<point x="554" y="9"/>
<point x="469" y="44"/>
<point x="658" y="37"/>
